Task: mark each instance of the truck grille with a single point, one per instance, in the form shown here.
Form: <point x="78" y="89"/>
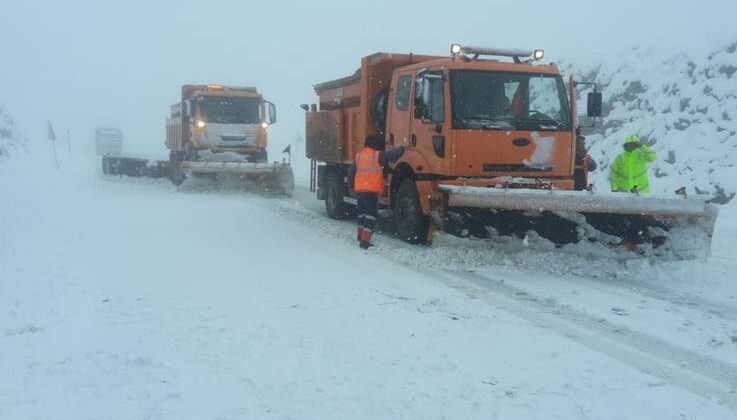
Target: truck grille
<point x="492" y="167"/>
<point x="246" y="140"/>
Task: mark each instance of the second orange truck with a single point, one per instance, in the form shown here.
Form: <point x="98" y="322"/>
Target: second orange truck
<point x="488" y="132"/>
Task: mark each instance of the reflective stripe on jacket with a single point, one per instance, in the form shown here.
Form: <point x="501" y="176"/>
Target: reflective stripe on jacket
<point x="629" y="171"/>
<point x="369" y="172"/>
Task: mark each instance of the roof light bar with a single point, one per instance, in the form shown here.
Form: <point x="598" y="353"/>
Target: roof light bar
<point x="516" y="54"/>
<point x="223" y="87"/>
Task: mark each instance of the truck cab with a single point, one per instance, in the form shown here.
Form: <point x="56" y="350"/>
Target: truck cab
<point x="482" y="120"/>
<point x="220" y="119"/>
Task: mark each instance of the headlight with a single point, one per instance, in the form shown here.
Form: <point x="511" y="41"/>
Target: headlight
<point x="538" y="54"/>
<point x="264" y="125"/>
<point x="200" y="124"/>
<point x="455" y="49"/>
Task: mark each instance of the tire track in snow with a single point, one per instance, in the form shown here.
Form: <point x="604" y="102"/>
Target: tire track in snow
<point x="693" y="302"/>
<point x="721" y="310"/>
<point x="706" y="377"/>
<point x="709" y="378"/>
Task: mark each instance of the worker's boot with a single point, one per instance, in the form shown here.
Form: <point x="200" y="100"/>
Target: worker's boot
<point x="365" y="239"/>
<point x="360" y="232"/>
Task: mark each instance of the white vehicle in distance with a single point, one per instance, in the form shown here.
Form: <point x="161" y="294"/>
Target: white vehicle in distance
<point x="108" y="141"/>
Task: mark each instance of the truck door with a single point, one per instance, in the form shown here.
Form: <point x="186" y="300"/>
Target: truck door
<point x="399" y="104"/>
<point x="429" y="136"/>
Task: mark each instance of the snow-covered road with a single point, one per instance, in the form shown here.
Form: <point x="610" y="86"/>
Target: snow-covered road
<point x="132" y="299"/>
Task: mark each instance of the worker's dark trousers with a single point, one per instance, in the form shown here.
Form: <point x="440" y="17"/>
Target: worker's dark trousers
<point x="368" y="210"/>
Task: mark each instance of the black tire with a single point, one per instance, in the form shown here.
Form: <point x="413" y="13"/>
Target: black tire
<point x="411" y="225"/>
<point x="190" y="153"/>
<point x="335" y="206"/>
<point x="176" y="176"/>
<point x="176" y="157"/>
<point x="260" y="156"/>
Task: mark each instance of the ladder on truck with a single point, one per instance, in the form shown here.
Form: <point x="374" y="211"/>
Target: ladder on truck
<point x="313" y="175"/>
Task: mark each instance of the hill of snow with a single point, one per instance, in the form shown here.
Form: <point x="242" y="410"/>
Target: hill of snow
<point x="10" y="138"/>
<point x="682" y="105"/>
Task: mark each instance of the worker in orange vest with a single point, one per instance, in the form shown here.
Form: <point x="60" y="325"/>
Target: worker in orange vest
<point x="367" y="176"/>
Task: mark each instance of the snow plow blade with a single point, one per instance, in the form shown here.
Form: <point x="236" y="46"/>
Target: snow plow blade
<point x="674" y="227"/>
<point x="137" y="167"/>
<point x="275" y="177"/>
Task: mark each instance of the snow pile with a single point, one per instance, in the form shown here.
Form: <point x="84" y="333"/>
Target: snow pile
<point x="680" y="104"/>
<point x="10" y="139"/>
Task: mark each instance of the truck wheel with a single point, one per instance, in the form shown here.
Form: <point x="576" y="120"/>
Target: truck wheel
<point x="190" y="153"/>
<point x="411" y="225"/>
<point x="334" y="205"/>
<point x="260" y="156"/>
<point x="176" y="157"/>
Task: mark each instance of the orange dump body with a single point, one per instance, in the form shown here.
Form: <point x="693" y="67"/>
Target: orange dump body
<point x="337" y="132"/>
<point x="447" y="144"/>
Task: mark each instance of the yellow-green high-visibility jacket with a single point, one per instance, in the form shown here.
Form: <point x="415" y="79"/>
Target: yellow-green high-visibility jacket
<point x="629" y="171"/>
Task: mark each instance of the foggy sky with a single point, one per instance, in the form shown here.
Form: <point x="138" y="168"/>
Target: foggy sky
<point x="87" y="63"/>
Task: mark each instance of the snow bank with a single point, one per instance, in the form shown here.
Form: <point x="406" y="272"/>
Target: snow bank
<point x="680" y="104"/>
<point x="10" y="138"/>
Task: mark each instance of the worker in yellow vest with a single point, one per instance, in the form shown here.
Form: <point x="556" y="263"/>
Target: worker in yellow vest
<point x="629" y="171"/>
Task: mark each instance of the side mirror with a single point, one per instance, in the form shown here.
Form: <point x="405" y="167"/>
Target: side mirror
<point x="272" y="112"/>
<point x="305" y="107"/>
<point x="593" y="104"/>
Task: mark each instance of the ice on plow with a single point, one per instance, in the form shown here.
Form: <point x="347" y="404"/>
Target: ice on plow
<point x="671" y="227"/>
<point x="276" y="178"/>
<point x="137" y="167"/>
<point x="269" y="177"/>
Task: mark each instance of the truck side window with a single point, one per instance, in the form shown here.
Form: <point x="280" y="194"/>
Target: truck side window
<point x="544" y="99"/>
<point x="402" y="99"/>
<point x="437" y="98"/>
<point x="430" y="97"/>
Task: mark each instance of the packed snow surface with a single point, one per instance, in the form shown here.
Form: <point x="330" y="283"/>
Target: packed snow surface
<point x="134" y="299"/>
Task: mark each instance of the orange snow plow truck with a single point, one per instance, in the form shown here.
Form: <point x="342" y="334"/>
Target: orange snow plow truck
<point x="219" y="132"/>
<point x="492" y="148"/>
<point x="219" y="119"/>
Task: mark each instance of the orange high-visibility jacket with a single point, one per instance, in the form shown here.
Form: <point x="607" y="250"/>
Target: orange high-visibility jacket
<point x="369" y="173"/>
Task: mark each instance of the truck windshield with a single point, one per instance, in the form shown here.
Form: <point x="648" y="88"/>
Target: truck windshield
<point x="508" y="101"/>
<point x="228" y="110"/>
